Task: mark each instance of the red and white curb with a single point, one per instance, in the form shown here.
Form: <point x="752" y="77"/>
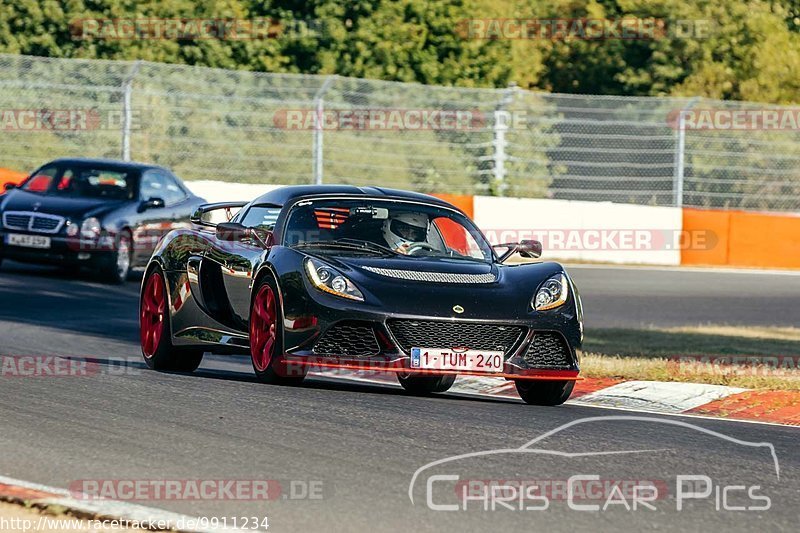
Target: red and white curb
<point x="718" y="401"/>
<point x="42" y="496"/>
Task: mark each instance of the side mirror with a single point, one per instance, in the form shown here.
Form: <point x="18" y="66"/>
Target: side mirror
<point x="152" y="203"/>
<point x="231" y="231"/>
<point x="9" y="186"/>
<point x="530" y="249"/>
<point x="527" y="249"/>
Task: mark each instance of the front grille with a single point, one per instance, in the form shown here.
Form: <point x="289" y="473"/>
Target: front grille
<point x="16" y="221"/>
<point x="44" y="224"/>
<point x="348" y="339"/>
<point x="433" y="277"/>
<point x="30" y="221"/>
<point x="436" y="334"/>
<point x="548" y="350"/>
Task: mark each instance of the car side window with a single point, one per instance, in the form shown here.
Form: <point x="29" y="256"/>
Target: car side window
<point x="158" y="184"/>
<point x="261" y="217"/>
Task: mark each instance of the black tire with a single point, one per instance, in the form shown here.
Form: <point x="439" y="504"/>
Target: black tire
<point x="164" y="356"/>
<point x="275" y="371"/>
<point x="117" y="267"/>
<point x="535" y="392"/>
<point x="424" y="385"/>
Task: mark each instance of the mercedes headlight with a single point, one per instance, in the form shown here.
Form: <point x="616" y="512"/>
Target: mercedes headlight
<point x="330" y="280"/>
<point x="551" y="294"/>
<point x="90" y="229"/>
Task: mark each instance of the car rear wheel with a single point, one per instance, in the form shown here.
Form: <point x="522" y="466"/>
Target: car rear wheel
<point x="118" y="266"/>
<point x="266" y="339"/>
<point x="423" y="385"/>
<point x="155" y="332"/>
<point x="544" y="392"/>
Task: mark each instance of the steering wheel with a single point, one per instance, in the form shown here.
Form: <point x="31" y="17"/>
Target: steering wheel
<point x="417" y="246"/>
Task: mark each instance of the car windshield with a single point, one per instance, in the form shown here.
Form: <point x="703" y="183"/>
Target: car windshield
<point x="81" y="181"/>
<point x="392" y="228"/>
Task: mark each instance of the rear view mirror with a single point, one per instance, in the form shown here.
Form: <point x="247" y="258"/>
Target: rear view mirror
<point x="9" y="186"/>
<point x="527" y="249"/>
<point x="231" y="231"/>
<point x="235" y="232"/>
<point x="530" y="249"/>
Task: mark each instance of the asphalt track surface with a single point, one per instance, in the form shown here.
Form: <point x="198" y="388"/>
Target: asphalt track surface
<point x="363" y="443"/>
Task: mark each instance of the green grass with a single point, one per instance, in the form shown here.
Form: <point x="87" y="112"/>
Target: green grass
<point x="650" y="354"/>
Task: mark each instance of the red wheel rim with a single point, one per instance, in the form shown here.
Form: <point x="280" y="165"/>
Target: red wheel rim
<point x="263" y="328"/>
<point x="152" y="314"/>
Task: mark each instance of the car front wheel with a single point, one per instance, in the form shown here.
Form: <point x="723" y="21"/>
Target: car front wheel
<point x="544" y="392"/>
<point x="118" y="265"/>
<point x="266" y="339"/>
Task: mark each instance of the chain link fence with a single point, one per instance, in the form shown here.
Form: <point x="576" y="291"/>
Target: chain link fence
<point x="281" y="128"/>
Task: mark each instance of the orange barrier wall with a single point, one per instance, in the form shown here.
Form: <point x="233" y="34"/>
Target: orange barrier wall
<point x="10" y="176"/>
<point x="454" y="235"/>
<point x="462" y="201"/>
<point x="739" y="238"/>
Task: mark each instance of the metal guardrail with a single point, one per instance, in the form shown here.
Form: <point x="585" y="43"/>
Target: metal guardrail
<point x="287" y="128"/>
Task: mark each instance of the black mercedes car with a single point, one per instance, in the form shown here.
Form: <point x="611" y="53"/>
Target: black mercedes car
<point x="106" y="215"/>
<point x="362" y="278"/>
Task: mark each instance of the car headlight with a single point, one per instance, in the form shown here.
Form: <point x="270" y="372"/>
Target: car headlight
<point x="90" y="229"/>
<point x="551" y="294"/>
<point x="330" y="280"/>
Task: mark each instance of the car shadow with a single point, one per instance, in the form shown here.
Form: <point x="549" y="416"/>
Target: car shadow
<point x="75" y="302"/>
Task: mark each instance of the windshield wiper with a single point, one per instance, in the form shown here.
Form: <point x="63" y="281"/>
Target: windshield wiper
<point x="367" y="245"/>
<point x="355" y="246"/>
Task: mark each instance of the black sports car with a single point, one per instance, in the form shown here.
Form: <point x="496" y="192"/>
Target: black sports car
<point x="107" y="215"/>
<point x="359" y="278"/>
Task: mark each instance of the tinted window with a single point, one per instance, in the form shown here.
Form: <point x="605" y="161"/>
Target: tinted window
<point x="158" y="184"/>
<point x="81" y="181"/>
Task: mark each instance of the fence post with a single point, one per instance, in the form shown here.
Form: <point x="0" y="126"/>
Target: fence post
<point x="127" y="112"/>
<point x="499" y="144"/>
<point x="316" y="147"/>
<point x="680" y="156"/>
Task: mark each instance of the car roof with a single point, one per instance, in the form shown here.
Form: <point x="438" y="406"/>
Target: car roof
<point x="111" y="163"/>
<point x="290" y="193"/>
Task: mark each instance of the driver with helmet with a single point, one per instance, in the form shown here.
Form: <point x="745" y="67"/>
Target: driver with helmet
<point x="403" y="230"/>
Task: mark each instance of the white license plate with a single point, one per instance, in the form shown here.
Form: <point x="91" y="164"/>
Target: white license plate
<point x="449" y="359"/>
<point x="28" y="241"/>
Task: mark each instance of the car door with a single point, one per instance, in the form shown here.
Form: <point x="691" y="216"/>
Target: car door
<point x="228" y="266"/>
<point x="154" y="220"/>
